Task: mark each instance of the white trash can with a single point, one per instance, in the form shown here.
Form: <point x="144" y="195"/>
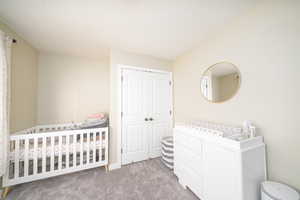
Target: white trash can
<point x="277" y="191"/>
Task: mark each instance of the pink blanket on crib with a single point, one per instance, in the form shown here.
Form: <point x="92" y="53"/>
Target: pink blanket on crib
<point x="97" y="116"/>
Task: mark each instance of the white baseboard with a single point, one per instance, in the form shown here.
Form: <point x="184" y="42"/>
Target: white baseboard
<point x="114" y="166"/>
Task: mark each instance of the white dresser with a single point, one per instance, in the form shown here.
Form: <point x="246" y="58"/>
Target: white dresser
<point x="219" y="167"/>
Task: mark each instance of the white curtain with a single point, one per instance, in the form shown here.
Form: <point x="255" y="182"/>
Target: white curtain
<point x="5" y="53"/>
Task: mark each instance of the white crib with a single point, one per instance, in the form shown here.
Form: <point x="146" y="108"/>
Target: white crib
<point x="46" y="151"/>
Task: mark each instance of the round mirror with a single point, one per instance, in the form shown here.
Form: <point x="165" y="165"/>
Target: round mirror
<point x="220" y="82"/>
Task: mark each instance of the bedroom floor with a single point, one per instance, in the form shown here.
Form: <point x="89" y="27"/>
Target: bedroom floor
<point x="147" y="180"/>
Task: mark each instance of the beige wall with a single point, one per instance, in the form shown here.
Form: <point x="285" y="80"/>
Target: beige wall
<point x="264" y="45"/>
<point x="23" y="83"/>
<point x="70" y="88"/>
<point x="120" y="57"/>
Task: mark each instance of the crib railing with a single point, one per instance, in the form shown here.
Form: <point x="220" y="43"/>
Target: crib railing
<point x="42" y="155"/>
<point x="48" y="128"/>
<point x="56" y="127"/>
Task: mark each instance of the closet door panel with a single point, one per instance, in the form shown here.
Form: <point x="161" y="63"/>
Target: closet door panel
<point x="161" y="117"/>
<point x="135" y="132"/>
<point x="132" y="89"/>
<point x="159" y="130"/>
<point x="135" y="143"/>
<point x="161" y="97"/>
<point x="147" y="95"/>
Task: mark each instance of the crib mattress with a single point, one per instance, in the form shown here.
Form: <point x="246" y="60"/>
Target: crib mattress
<point x="85" y="145"/>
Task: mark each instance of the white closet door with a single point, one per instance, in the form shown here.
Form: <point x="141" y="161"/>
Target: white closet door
<point x="146" y="105"/>
<point x="135" y="130"/>
<point x="161" y="112"/>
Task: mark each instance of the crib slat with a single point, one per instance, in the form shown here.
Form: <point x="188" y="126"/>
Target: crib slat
<point x="94" y="147"/>
<point x="52" y="153"/>
<point x="88" y="148"/>
<point x="106" y="146"/>
<point x="17" y="147"/>
<point x="100" y="146"/>
<point x="60" y="152"/>
<point x="81" y="149"/>
<point x="67" y="150"/>
<point x="44" y="149"/>
<point x="35" y="150"/>
<point x="74" y="149"/>
<point x="26" y="151"/>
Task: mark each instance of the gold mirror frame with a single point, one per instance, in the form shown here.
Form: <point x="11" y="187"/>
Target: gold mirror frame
<point x="237" y="89"/>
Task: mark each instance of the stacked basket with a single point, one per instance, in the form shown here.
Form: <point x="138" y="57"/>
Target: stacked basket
<point x="167" y="151"/>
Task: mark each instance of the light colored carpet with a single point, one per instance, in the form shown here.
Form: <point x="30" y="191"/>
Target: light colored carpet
<point x="147" y="180"/>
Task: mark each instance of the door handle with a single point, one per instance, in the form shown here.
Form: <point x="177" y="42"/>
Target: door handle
<point x="151" y="119"/>
<point x="146" y="119"/>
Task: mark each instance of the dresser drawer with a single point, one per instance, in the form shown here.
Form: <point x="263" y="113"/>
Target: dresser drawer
<point x="188" y="159"/>
<point x="192" y="143"/>
<point x="194" y="181"/>
<point x="187" y="176"/>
